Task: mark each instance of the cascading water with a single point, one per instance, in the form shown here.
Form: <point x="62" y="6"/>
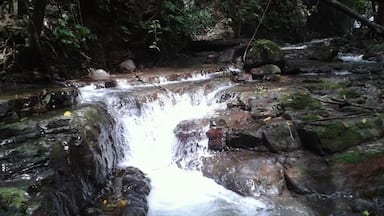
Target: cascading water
<point x="147" y="123"/>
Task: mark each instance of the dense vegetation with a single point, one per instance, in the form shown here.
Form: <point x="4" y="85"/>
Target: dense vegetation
<point x="61" y="39"/>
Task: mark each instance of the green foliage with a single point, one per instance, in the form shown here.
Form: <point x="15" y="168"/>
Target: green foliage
<point x="154" y="28"/>
<point x="282" y="16"/>
<point x="247" y="11"/>
<point x="359" y="5"/>
<point x="70" y="34"/>
<point x="185" y="21"/>
<point x="356" y="155"/>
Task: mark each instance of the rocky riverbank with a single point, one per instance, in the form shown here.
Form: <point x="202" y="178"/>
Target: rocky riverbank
<point x="308" y="132"/>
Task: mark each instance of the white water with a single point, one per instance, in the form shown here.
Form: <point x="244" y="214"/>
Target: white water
<point x="345" y="57"/>
<point x="147" y="135"/>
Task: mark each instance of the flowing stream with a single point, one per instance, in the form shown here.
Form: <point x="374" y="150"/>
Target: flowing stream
<point x="147" y="117"/>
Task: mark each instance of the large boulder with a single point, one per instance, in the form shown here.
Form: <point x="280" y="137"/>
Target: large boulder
<point x="127" y="66"/>
<point x="62" y="160"/>
<point x="263" y="52"/>
<point x="247" y="173"/>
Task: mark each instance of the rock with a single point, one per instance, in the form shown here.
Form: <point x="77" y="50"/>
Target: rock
<point x="246" y="137"/>
<point x="226" y="56"/>
<point x="217" y="139"/>
<point x="127" y="66"/>
<point x="189" y="134"/>
<point x="12" y="201"/>
<point x="306" y="173"/>
<point x="247" y="173"/>
<point x="243" y="77"/>
<point x="63" y="160"/>
<point x="281" y="135"/>
<point x="99" y="74"/>
<point x="136" y="188"/>
<point x="264" y="52"/>
<point x="267" y="72"/>
<point x="324" y="52"/>
<point x="360" y="205"/>
<point x="332" y="136"/>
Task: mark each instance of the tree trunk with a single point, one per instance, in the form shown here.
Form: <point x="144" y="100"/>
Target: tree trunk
<point x="31" y="55"/>
<point x="15" y="8"/>
<point x="340" y="6"/>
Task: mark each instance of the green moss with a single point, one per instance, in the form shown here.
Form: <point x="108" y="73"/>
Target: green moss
<point x="310" y="117"/>
<point x="353" y="157"/>
<point x="299" y="101"/>
<point x="338" y="134"/>
<point x="349" y="94"/>
<point x="12" y="197"/>
<point x="359" y="154"/>
<point x="324" y="84"/>
<point x="264" y="47"/>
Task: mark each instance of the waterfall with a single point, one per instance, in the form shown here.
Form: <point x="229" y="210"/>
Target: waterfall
<point x="147" y="117"/>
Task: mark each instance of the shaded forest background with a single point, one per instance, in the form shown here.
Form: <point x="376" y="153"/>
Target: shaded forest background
<point x="55" y="40"/>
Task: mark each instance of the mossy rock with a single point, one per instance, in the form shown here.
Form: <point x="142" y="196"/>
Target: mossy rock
<point x="12" y="200"/>
<point x="349" y="93"/>
<point x="337" y="135"/>
<point x="67" y="154"/>
<point x="263" y="52"/>
<point x="327" y="84"/>
<point x="299" y="101"/>
<point x="359" y="154"/>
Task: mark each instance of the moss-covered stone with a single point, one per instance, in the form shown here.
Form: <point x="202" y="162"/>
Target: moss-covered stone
<point x="12" y="197"/>
<point x="263" y="52"/>
<point x="12" y="200"/>
<point x="323" y="84"/>
<point x="299" y="101"/>
<point x="310" y="117"/>
<point x="337" y="135"/>
<point x="359" y="154"/>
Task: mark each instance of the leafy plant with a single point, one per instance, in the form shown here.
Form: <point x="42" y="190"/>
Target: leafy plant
<point x="154" y="28"/>
<point x="282" y="16"/>
<point x="186" y="21"/>
<point x="71" y="34"/>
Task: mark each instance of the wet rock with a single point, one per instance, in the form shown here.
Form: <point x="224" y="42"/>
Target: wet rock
<point x="217" y="138"/>
<point x="264" y="52"/>
<point x="306" y="173"/>
<point x="243" y="77"/>
<point x="336" y="135"/>
<point x="264" y="72"/>
<point x="226" y="56"/>
<point x="98" y="74"/>
<point x="281" y="135"/>
<point x="190" y="133"/>
<point x="63" y="160"/>
<point x="246" y="137"/>
<point x="136" y="188"/>
<point x="360" y="205"/>
<point x="324" y="53"/>
<point x="247" y="173"/>
<point x="127" y="66"/>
